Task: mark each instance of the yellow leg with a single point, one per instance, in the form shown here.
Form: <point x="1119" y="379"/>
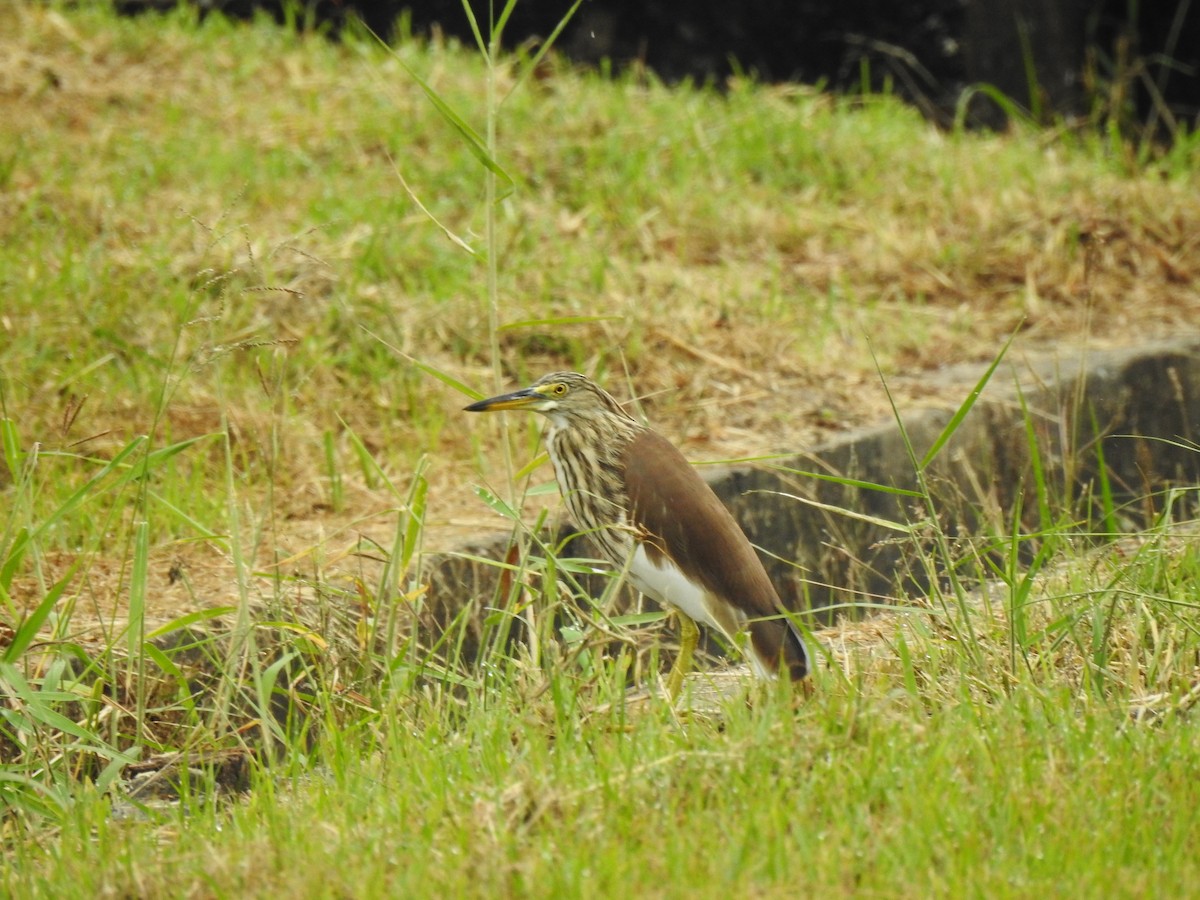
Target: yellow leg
<point x="689" y="634"/>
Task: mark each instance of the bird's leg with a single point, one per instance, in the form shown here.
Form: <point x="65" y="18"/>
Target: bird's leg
<point x="689" y="634"/>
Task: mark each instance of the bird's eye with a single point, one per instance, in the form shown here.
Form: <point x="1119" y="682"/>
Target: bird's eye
<point x="559" y="389"/>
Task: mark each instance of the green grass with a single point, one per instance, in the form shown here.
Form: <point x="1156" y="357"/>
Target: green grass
<point x="864" y="788"/>
<point x="215" y="288"/>
<point x="924" y="770"/>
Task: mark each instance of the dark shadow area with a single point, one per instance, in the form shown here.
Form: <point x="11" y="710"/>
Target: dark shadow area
<point x="1135" y="62"/>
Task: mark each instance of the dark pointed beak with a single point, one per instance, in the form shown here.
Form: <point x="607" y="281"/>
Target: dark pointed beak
<point x="522" y="399"/>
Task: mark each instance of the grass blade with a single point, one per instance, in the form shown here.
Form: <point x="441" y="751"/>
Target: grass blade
<point x="32" y="624"/>
<point x="474" y="142"/>
<point x="965" y="407"/>
<point x="849" y="482"/>
<point x="531" y="66"/>
<point x="842" y="511"/>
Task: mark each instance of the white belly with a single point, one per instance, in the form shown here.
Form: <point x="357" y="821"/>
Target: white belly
<point x="668" y="585"/>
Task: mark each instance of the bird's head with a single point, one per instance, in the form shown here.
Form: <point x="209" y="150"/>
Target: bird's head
<point x="566" y="398"/>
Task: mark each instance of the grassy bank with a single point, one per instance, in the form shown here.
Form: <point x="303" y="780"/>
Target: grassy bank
<point x="230" y="258"/>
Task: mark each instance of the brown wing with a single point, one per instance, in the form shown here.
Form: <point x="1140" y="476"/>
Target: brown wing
<point x="684" y="520"/>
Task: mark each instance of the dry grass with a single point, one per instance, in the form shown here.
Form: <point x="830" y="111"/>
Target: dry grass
<point x="741" y="306"/>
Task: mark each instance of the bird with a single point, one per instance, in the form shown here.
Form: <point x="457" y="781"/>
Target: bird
<point x="656" y="519"/>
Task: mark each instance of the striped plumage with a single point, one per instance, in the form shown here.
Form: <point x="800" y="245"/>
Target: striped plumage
<point x="649" y="510"/>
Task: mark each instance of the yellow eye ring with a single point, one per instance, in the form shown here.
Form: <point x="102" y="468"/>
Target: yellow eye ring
<point x="559" y="389"/>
